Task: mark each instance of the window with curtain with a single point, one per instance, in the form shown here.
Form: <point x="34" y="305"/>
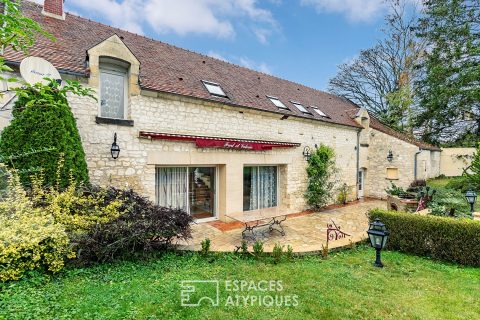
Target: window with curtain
<point x="113" y="88"/>
<point x="172" y="187"/>
<point x="192" y="189"/>
<point x="259" y="187"/>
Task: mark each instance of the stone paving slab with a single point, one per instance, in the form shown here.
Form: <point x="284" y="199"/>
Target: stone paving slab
<point x="305" y="233"/>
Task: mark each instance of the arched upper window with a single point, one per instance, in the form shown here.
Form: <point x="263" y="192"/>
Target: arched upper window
<point x="113" y="88"/>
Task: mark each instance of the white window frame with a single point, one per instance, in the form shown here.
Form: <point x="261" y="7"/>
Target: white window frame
<point x="210" y="83"/>
<point x="280" y="104"/>
<point x="119" y="71"/>
<point x="300" y="106"/>
<point x="277" y="182"/>
<point x="320" y="112"/>
<point x="217" y="188"/>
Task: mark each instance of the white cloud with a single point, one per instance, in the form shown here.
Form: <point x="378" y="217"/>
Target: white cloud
<point x="211" y="17"/>
<point x="354" y="10"/>
<point x="248" y="63"/>
<point x="216" y="55"/>
<point x="262" y="34"/>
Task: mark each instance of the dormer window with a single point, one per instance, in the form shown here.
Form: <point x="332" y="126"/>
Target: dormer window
<point x="214" y="89"/>
<point x="320" y="112"/>
<point x="113" y="88"/>
<point x="278" y="103"/>
<point x="300" y="107"/>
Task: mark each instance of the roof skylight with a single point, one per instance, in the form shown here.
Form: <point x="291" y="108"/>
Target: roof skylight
<point x="214" y="88"/>
<point x="319" y="112"/>
<point x="300" y="107"/>
<point x="277" y="102"/>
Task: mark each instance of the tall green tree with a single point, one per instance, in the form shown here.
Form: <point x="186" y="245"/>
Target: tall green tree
<point x="449" y="89"/>
<point x="473" y="172"/>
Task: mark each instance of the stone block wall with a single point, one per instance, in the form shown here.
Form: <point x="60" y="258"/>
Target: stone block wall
<point x="169" y="113"/>
<point x="376" y="173"/>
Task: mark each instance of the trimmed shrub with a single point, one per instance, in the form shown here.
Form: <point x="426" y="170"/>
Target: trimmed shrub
<point x="455" y="240"/>
<point x="43" y="131"/>
<point x="141" y="227"/>
<point x="29" y="237"/>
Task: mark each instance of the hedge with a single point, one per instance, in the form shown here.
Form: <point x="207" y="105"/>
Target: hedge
<point x="448" y="239"/>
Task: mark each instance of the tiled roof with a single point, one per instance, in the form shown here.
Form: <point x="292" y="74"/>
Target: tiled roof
<point x="377" y="125"/>
<point x="167" y="68"/>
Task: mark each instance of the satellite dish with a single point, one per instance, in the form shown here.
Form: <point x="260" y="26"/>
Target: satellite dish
<point x="34" y="69"/>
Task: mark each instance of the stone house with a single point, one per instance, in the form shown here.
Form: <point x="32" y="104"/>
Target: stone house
<point x="209" y="136"/>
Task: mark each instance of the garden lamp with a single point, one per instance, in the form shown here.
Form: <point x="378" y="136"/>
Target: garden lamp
<point x="378" y="235"/>
<point x="471" y="197"/>
<point x="115" y="150"/>
<point x="307" y="154"/>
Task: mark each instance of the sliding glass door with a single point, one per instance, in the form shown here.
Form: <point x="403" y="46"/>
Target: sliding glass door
<point x="260" y="185"/>
<point x="192" y="189"/>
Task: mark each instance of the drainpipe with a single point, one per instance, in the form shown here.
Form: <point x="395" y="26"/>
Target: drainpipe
<point x="358" y="161"/>
<point x="415" y="164"/>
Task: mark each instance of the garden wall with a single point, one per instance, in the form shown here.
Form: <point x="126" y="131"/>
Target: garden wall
<point x="454" y="160"/>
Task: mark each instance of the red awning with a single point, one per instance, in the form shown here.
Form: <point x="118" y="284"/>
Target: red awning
<point x="216" y="142"/>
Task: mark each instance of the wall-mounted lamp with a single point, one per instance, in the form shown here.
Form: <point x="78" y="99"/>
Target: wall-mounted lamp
<point x="307" y="153"/>
<point x="115" y="150"/>
<point x="390" y="156"/>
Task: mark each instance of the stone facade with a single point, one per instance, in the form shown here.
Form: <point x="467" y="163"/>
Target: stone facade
<point x="169" y="113"/>
<point x="374" y="149"/>
<point x="159" y="112"/>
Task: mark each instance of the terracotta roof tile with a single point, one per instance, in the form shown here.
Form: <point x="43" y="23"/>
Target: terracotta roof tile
<point x="167" y="68"/>
<point x="378" y="125"/>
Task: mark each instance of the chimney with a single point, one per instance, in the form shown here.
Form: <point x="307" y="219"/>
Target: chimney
<point x="54" y="9"/>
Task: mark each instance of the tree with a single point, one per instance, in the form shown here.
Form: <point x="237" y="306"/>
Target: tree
<point x="320" y="170"/>
<point x="381" y="78"/>
<point x="43" y="134"/>
<point x="473" y="172"/>
<point x="449" y="89"/>
<point x="17" y="32"/>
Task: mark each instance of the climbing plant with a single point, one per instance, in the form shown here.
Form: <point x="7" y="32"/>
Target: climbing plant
<point x="320" y="171"/>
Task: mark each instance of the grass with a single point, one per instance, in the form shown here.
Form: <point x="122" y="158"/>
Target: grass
<point x="344" y="286"/>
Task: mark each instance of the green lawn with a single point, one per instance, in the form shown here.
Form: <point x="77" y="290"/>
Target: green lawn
<point x="345" y="286"/>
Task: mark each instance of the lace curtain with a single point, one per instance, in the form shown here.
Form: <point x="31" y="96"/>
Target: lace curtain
<point x="263" y="191"/>
<point x="172" y="186"/>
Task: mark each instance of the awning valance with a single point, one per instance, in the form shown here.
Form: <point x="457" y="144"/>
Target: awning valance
<point x="217" y="142"/>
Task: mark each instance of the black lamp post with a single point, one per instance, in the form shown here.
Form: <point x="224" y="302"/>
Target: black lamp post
<point x="115" y="150"/>
<point x="307" y="153"/>
<point x="390" y="156"/>
<point x="378" y="234"/>
<point x="471" y="197"/>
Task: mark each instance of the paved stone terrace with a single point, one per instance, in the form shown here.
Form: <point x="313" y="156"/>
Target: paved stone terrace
<point x="305" y="232"/>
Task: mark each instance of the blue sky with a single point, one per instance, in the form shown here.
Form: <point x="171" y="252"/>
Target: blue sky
<point x="299" y="40"/>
